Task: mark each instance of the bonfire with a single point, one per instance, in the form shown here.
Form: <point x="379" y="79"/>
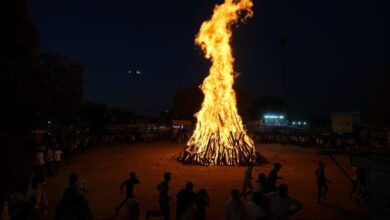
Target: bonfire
<point x="219" y="137"/>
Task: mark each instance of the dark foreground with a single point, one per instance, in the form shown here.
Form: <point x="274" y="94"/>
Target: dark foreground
<point x="104" y="170"/>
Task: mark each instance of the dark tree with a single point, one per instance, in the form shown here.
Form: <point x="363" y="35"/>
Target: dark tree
<point x="187" y="102"/>
<point x="95" y="116"/>
<point x="19" y="42"/>
<point x="33" y="89"/>
<point x="40" y="88"/>
<point x="19" y="36"/>
<point x="378" y="105"/>
<point x="61" y="87"/>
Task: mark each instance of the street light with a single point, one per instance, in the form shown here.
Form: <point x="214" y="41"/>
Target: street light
<point x="134" y="73"/>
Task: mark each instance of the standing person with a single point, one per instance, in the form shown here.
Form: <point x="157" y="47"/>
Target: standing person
<point x="235" y="207"/>
<point x="67" y="151"/>
<point x="49" y="161"/>
<point x="73" y="205"/>
<point x="79" y="186"/>
<point x="57" y="160"/>
<point x="17" y="202"/>
<point x="203" y="201"/>
<point x="247" y="181"/>
<point x="40" y="171"/>
<point x="322" y="182"/>
<point x="273" y="177"/>
<point x="190" y="213"/>
<point x="355" y="181"/>
<point x="130" y="183"/>
<point x="37" y="196"/>
<point x="260" y="184"/>
<point x="4" y="210"/>
<point x="254" y="208"/>
<point x="163" y="188"/>
<point x="358" y="182"/>
<point x="183" y="199"/>
<point x="282" y="205"/>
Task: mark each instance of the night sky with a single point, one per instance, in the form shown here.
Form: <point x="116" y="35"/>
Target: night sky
<point x="335" y="49"/>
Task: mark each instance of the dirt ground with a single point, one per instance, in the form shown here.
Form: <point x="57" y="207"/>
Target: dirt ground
<point x="104" y="169"/>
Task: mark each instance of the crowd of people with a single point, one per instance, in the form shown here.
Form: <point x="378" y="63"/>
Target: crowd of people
<point x="266" y="199"/>
<point x="310" y="140"/>
<point x="58" y="148"/>
<point x="29" y="200"/>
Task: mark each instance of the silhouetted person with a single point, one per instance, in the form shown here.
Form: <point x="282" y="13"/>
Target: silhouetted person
<point x="183" y="199"/>
<point x="163" y="188"/>
<point x="73" y="182"/>
<point x="132" y="209"/>
<point x="67" y="152"/>
<point x="190" y="213"/>
<point x="273" y="177"/>
<point x="235" y="207"/>
<point x="203" y="201"/>
<point x="73" y="178"/>
<point x="39" y="165"/>
<point x="129" y="184"/>
<point x="49" y="157"/>
<point x="57" y="160"/>
<point x="358" y="183"/>
<point x="282" y="205"/>
<point x="247" y="181"/>
<point x="17" y="200"/>
<point x="355" y="181"/>
<point x="260" y="186"/>
<point x="362" y="182"/>
<point x="254" y="208"/>
<point x="322" y="182"/>
<point x="36" y="194"/>
<point x="73" y="206"/>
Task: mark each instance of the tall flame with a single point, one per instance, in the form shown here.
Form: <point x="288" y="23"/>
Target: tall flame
<point x="219" y="137"/>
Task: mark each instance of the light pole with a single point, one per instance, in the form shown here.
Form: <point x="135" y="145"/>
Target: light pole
<point x="283" y="42"/>
<point x="134" y="74"/>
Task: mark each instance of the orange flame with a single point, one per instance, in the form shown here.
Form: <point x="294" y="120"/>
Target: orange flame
<point x="219" y="137"/>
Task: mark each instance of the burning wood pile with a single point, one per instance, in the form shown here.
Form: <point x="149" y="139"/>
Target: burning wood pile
<point x="237" y="153"/>
<point x="219" y="137"/>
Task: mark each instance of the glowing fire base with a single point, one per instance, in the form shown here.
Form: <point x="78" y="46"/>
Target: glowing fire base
<point x="236" y="153"/>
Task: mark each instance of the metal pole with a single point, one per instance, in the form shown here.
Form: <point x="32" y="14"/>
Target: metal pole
<point x="341" y="168"/>
<point x="283" y="42"/>
<point x="134" y="90"/>
<point x="134" y="73"/>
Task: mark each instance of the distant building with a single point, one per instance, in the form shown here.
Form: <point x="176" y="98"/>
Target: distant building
<point x="345" y="122"/>
<point x="274" y="120"/>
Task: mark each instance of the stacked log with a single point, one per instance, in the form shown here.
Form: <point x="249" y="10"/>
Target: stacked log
<point x="237" y="153"/>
